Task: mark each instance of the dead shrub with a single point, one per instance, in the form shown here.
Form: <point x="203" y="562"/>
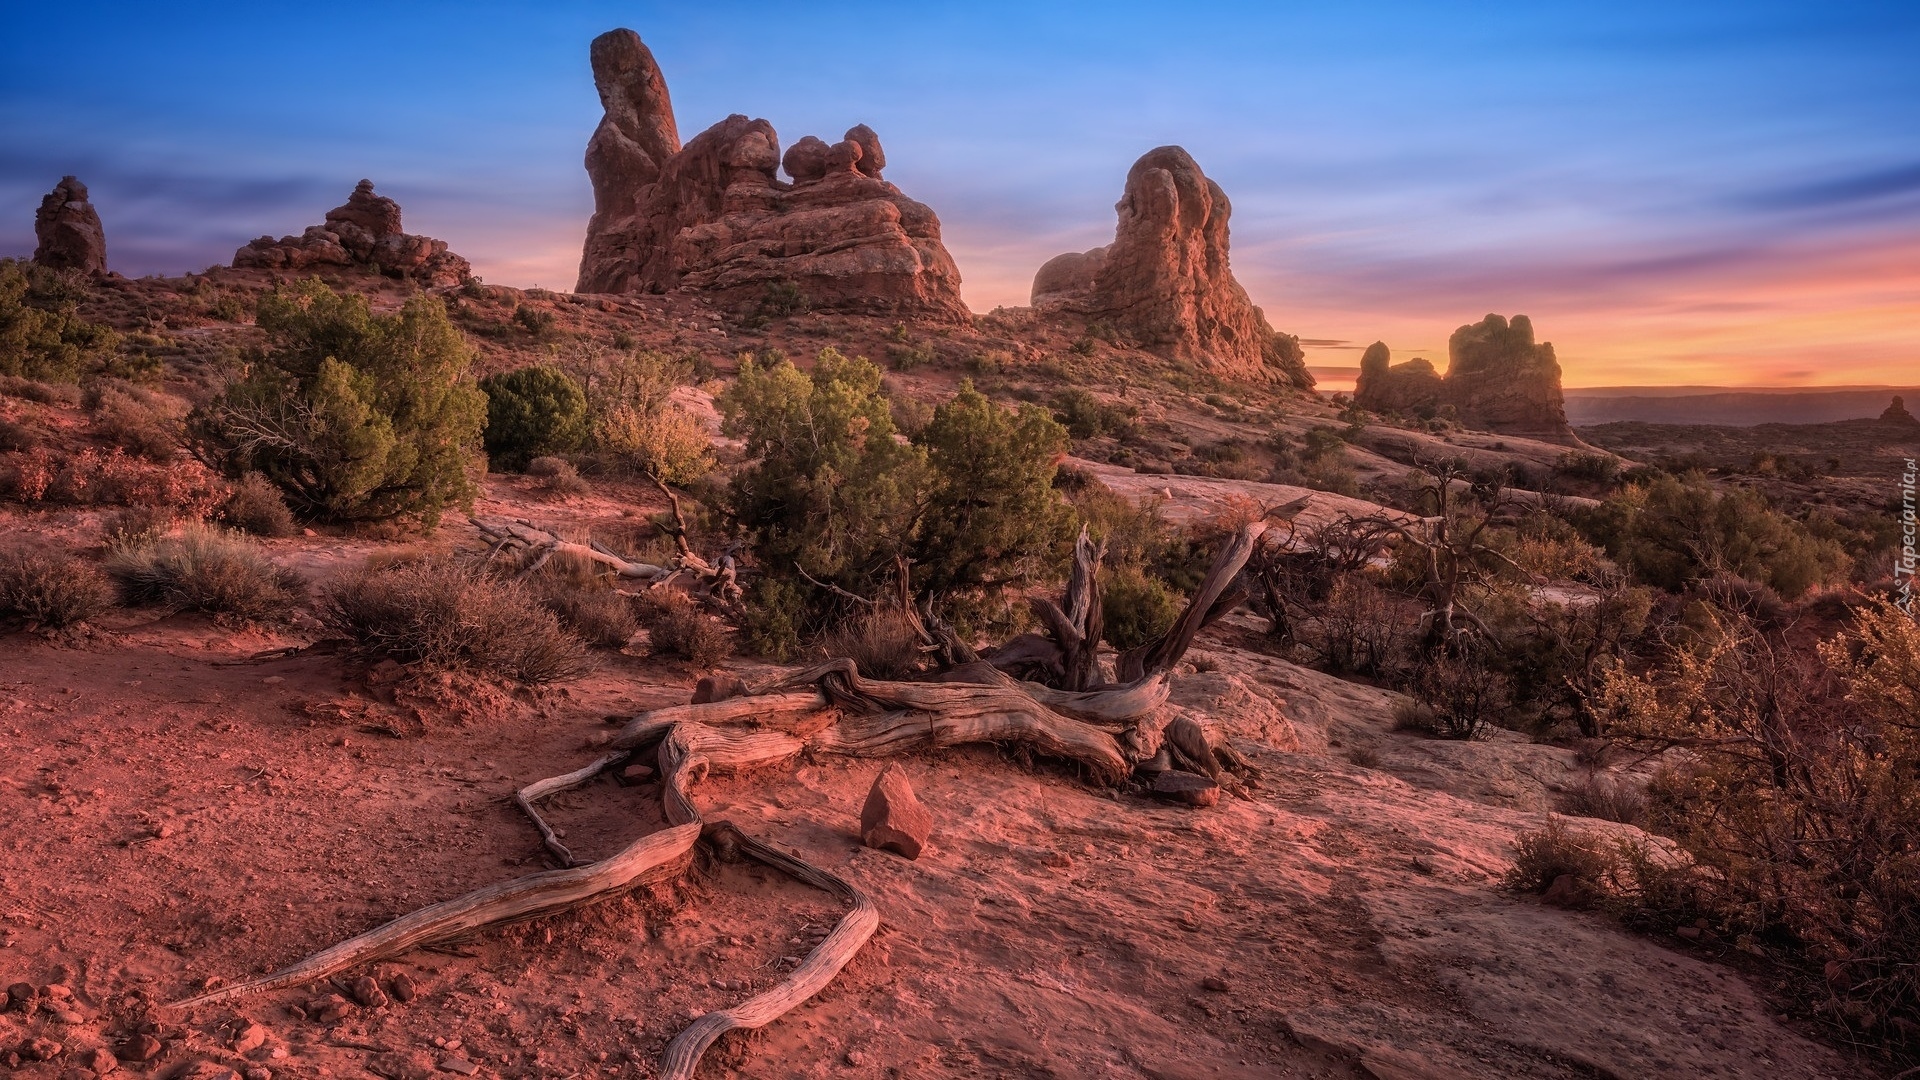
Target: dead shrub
<point x="203" y="569"/>
<point x="256" y="506"/>
<point x="1544" y="856"/>
<point x="15" y="435"/>
<point x="444" y="614"/>
<point x="558" y="477"/>
<point x="1462" y="694"/>
<point x="1361" y="629"/>
<point x="132" y="420"/>
<point x="679" y="628"/>
<point x="582" y="596"/>
<point x="35" y="391"/>
<point x="882" y="643"/>
<point x="1606" y="798"/>
<point x="50" y="590"/>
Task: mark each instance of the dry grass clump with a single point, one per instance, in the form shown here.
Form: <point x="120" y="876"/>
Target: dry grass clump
<point x="582" y="597"/>
<point x="1544" y="856"/>
<point x="679" y="628"/>
<point x="444" y="614"/>
<point x="35" y="391"/>
<point x="50" y="590"/>
<point x="558" y="476"/>
<point x="134" y="420"/>
<point x="256" y="506"/>
<point x="203" y="569"/>
<point x="882" y="642"/>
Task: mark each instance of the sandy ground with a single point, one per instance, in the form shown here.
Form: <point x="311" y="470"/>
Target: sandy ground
<point x="173" y="820"/>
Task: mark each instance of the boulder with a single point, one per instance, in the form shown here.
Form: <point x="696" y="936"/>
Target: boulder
<point x="1185" y="788"/>
<point x="1896" y="413"/>
<point x="68" y="230"/>
<point x="713" y="216"/>
<point x="364" y="231"/>
<point x="1166" y="282"/>
<point x="893" y="819"/>
<point x="1498" y="379"/>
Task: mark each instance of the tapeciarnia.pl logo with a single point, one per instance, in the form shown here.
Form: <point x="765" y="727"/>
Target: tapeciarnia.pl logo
<point x="1903" y="565"/>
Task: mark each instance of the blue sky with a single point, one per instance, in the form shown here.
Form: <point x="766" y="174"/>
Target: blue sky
<point x="1676" y="192"/>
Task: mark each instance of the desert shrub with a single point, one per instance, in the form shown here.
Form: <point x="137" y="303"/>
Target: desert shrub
<point x="991" y="513"/>
<point x="908" y="357"/>
<point x="42" y="336"/>
<point x="355" y="416"/>
<point x="532" y="412"/>
<point x="1606" y="798"/>
<point x="582" y="597"/>
<point x="536" y="321"/>
<point x="677" y="627"/>
<point x="558" y="476"/>
<point x="203" y="569"/>
<point x="443" y="614"/>
<point x="112" y="478"/>
<point x="632" y="418"/>
<point x="882" y="642"/>
<point x="1593" y="468"/>
<point x="1361" y="628"/>
<point x="1463" y="692"/>
<point x="132" y="420"/>
<point x="256" y="506"/>
<point x="34" y="390"/>
<point x="1085" y="417"/>
<point x="50" y="590"/>
<point x="1137" y="607"/>
<point x="15" y="435"/>
<point x="1800" y="796"/>
<point x="776" y="618"/>
<point x="830" y="491"/>
<point x="782" y="299"/>
<point x="1671" y="531"/>
<point x="1544" y="856"/>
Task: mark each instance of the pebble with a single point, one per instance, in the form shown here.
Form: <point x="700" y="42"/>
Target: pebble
<point x="367" y="992"/>
<point x="459" y="1065"/>
<point x="249" y="1038"/>
<point x="141" y="1048"/>
<point x="259" y="1072"/>
<point x="41" y="1050"/>
<point x="402" y="987"/>
<point x="101" y="1061"/>
<point x="1215" y="983"/>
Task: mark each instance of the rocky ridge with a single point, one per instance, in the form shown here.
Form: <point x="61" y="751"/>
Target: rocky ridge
<point x="1165" y="281"/>
<point x="364" y="231"/>
<point x="68" y="230"/>
<point x="1498" y="379"/>
<point x="713" y="216"/>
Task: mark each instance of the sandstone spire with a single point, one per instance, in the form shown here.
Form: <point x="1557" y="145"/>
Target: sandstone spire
<point x="68" y="230"/>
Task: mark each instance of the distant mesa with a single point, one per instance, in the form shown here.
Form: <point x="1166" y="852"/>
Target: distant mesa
<point x="366" y="232"/>
<point x="1165" y="280"/>
<point x="1498" y="379"/>
<point x="712" y="216"/>
<point x="68" y="230"/>
<point x="1897" y="413"/>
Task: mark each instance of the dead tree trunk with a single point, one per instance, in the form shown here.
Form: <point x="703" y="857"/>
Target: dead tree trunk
<point x="827" y="709"/>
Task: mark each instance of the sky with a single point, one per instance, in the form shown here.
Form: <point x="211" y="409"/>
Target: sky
<point x="1676" y="192"/>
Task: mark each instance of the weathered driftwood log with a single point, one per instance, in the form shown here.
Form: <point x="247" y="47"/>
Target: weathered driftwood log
<point x="828" y="708"/>
<point x="716" y="584"/>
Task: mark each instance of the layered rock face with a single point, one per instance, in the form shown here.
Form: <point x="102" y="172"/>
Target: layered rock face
<point x="365" y="231"/>
<point x="68" y="230"/>
<point x="1498" y="379"/>
<point x="715" y="217"/>
<point x="1165" y="280"/>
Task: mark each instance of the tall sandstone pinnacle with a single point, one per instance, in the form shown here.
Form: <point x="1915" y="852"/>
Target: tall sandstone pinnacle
<point x="68" y="230"/>
<point x="713" y="216"/>
<point x="1498" y="379"/>
<point x="1166" y="282"/>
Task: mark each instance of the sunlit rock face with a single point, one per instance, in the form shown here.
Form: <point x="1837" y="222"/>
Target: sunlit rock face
<point x="1498" y="379"/>
<point x="363" y="231"/>
<point x="1165" y="281"/>
<point x="68" y="230"/>
<point x="714" y="216"/>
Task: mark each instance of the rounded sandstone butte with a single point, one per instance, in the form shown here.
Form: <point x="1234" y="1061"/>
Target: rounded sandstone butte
<point x="712" y="215"/>
<point x="377" y="214"/>
<point x="1413" y="388"/>
<point x="1166" y="281"/>
<point x="68" y="230"/>
<point x="806" y="160"/>
<point x="1896" y="413"/>
<point x="365" y="231"/>
<point x="1499" y="379"/>
<point x="872" y="159"/>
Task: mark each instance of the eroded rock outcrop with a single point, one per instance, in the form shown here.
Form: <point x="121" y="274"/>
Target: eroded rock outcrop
<point x="1896" y="413"/>
<point x="715" y="217"/>
<point x="1498" y="379"/>
<point x="68" y="230"/>
<point x="364" y="231"/>
<point x="1165" y="280"/>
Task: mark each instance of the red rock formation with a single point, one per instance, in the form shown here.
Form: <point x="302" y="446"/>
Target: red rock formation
<point x="713" y="215"/>
<point x="1897" y="413"/>
<point x="1498" y="379"/>
<point x="68" y="230"/>
<point x="365" y="231"/>
<point x="1165" y="280"/>
<point x="893" y="818"/>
